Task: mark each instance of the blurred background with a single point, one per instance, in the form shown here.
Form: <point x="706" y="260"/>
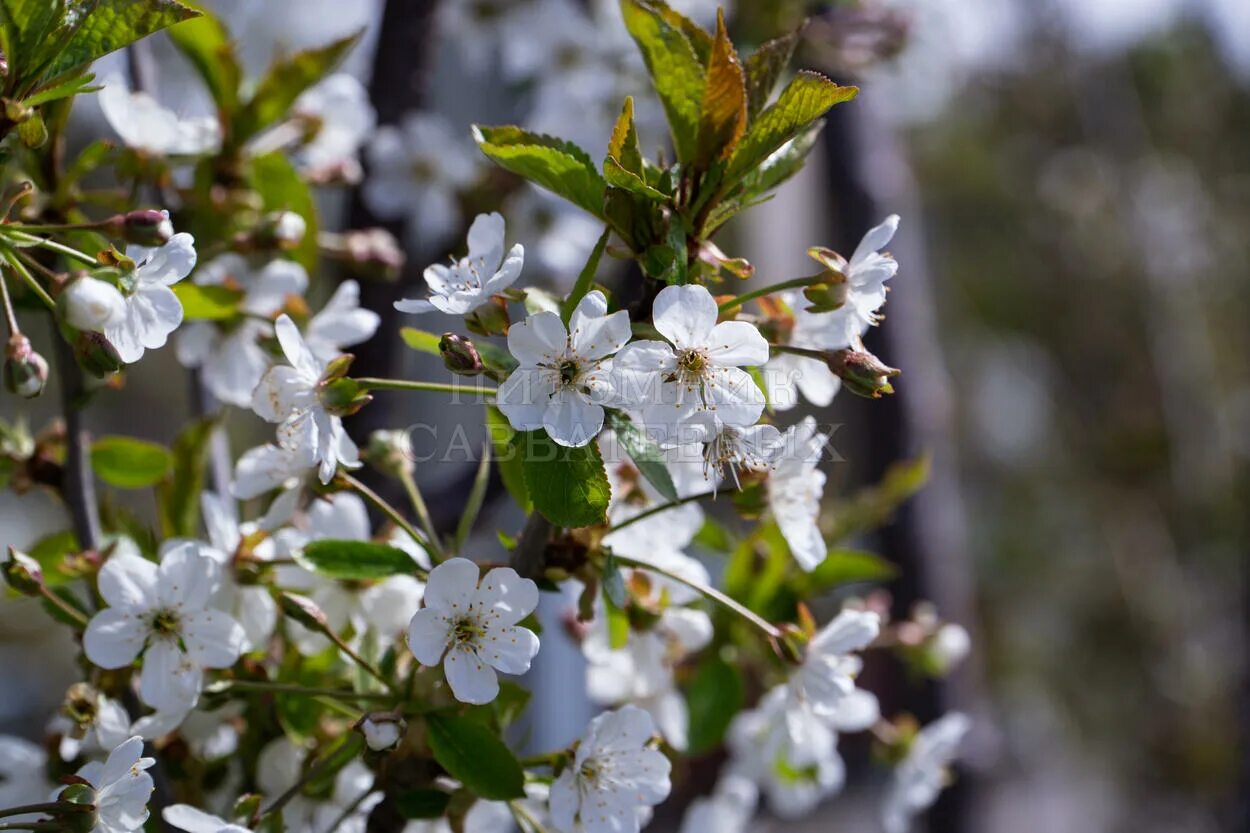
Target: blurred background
<point x="1072" y="318"/>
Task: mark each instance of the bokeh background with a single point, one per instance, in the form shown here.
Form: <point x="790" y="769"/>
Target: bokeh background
<point x="1072" y="318"/>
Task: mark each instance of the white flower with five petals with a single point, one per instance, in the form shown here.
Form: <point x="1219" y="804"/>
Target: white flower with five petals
<point x="924" y="771"/>
<point x="122" y="788"/>
<point x="290" y="395"/>
<point x="696" y="377"/>
<point x="153" y="311"/>
<point x="564" y="377"/>
<point x="827" y="674"/>
<point x="468" y="283"/>
<point x="145" y="125"/>
<point x="614" y="778"/>
<point x="339" y="110"/>
<point x="162" y="612"/>
<point x="472" y="630"/>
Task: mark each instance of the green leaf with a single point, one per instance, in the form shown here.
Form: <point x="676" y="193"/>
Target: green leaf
<point x="283" y="82"/>
<point x="477" y="494"/>
<point x="206" y="43"/>
<point x="421" y="804"/>
<point x="104" y="26"/>
<point x="765" y="65"/>
<point x="473" y="755"/>
<point x="561" y="167"/>
<point x="207" y="303"/>
<point x="569" y="486"/>
<point x="282" y="189"/>
<point x="586" y="278"/>
<point x="624" y="146"/>
<point x="646" y="455"/>
<point x="676" y="71"/>
<point x="804" y="100"/>
<point x="179" y="496"/>
<point x="27" y="26"/>
<point x="617" y="176"/>
<point x="715" y="695"/>
<point x="842" y="566"/>
<point x="723" y="116"/>
<point x="50" y="551"/>
<point x="74" y="85"/>
<point x="128" y="463"/>
<point x="421" y="341"/>
<point x="783" y="163"/>
<point x="508" y="456"/>
<point x="510" y="703"/>
<point x="613" y="584"/>
<point x="355" y="560"/>
<point x="618" y="623"/>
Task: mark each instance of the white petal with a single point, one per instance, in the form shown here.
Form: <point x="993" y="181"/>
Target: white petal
<point x="849" y="631"/>
<point x="571" y="419"/>
<point x="113" y="638"/>
<point x="875" y="240"/>
<point x="452" y="585"/>
<point x="539" y="339"/>
<point x="524" y="396"/>
<point x="508" y="597"/>
<point x="737" y="343"/>
<point x="428" y="634"/>
<point x="128" y="580"/>
<point x="626" y="729"/>
<point x="213" y="639"/>
<point x="594" y="334"/>
<point x="188" y="577"/>
<point x="282" y="392"/>
<point x="685" y="315"/>
<point x="508" y="272"/>
<point x="734" y="395"/>
<point x="486" y="241"/>
<point x="295" y="349"/>
<point x="185" y="817"/>
<point x="471" y="679"/>
<point x="169" y="681"/>
<point x="509" y="649"/>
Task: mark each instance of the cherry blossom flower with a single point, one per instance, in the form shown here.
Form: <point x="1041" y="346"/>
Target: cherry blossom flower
<point x="923" y="773"/>
<point x="162" y="612"/>
<point x="740" y="449"/>
<point x="564" y="375"/>
<point x="342" y="322"/>
<point x="614" y="776"/>
<point x="122" y="788"/>
<point x="341" y="117"/>
<point x="99" y="723"/>
<point x="92" y="305"/>
<point x="866" y="273"/>
<point x="728" y="810"/>
<point x="153" y="311"/>
<point x="795" y="488"/>
<point x="145" y="125"/>
<point x="415" y="172"/>
<point x="266" y="468"/>
<point x="252" y="606"/>
<point x="828" y="671"/>
<point x="231" y="360"/>
<point x="790" y="376"/>
<point x="471" y="281"/>
<point x="290" y="395"/>
<point x="696" y="378"/>
<point x="472" y="630"/>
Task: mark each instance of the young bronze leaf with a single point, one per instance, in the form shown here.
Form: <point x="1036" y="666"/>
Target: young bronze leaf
<point x="803" y="101"/>
<point x="723" y="118"/>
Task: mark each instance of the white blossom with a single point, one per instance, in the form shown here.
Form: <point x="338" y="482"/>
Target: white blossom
<point x="728" y="810"/>
<point x="231" y="360"/>
<point x="924" y="771"/>
<point x="790" y="376"/>
<point x="381" y="733"/>
<point x="93" y="305"/>
<point x="473" y="631"/>
<point x="290" y="395"/>
<point x="564" y="375"/>
<point x="101" y="724"/>
<point x="342" y="117"/>
<point x="866" y="273"/>
<point x="615" y="776"/>
<point x="664" y="534"/>
<point x="162" y="612"/>
<point x="145" y="125"/>
<point x="795" y="488"/>
<point x="753" y="448"/>
<point x="415" y="173"/>
<point x="266" y="468"/>
<point x="698" y="377"/>
<point x="192" y="820"/>
<point x="122" y="788"/>
<point x="153" y="311"/>
<point x="341" y="323"/>
<point x="471" y="281"/>
<point x="251" y="605"/>
<point x="827" y="674"/>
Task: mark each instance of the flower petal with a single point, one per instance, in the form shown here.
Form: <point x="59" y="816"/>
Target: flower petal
<point x="213" y="639"/>
<point x="128" y="580"/>
<point x="452" y="585"/>
<point x="506" y="597"/>
<point x="113" y="638"/>
<point x="539" y="339"/>
<point x="509" y="649"/>
<point x="428" y="634"/>
<point x="685" y="315"/>
<point x="571" y="419"/>
<point x="737" y="343"/>
<point x="296" y="350"/>
<point x="169" y="680"/>
<point x="471" y="679"/>
<point x="524" y="396"/>
<point x="188" y="577"/>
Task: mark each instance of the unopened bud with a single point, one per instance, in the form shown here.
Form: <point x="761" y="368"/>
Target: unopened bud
<point x="285" y="229"/>
<point x="25" y="371"/>
<point x="343" y="396"/>
<point x="22" y="573"/>
<point x="491" y="318"/>
<point x="948" y="647"/>
<point x="828" y="295"/>
<point x="304" y="610"/>
<point x="460" y="355"/>
<point x="862" y="373"/>
<point x="78" y="811"/>
<point x="382" y="730"/>
<point x="145" y="227"/>
<point x="390" y="452"/>
<point x="90" y="305"/>
<point x="373" y="252"/>
<point x="96" y="354"/>
<point x="33" y="132"/>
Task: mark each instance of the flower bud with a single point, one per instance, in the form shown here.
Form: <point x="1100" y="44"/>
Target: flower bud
<point x="460" y="355"/>
<point x="90" y="305"/>
<point x="145" y="227"/>
<point x="948" y="647"/>
<point x="287" y="229"/>
<point x="390" y="452"/>
<point x="25" y="371"/>
<point x="343" y="396"/>
<point x="828" y="295"/>
<point x="372" y="252"/>
<point x="304" y="610"/>
<point x="22" y="573"/>
<point x="490" y="319"/>
<point x="382" y="730"/>
<point x="78" y="812"/>
<point x="96" y="354"/>
<point x="862" y="373"/>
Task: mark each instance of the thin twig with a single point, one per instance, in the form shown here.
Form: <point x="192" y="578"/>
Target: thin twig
<point x="436" y="387"/>
<point x="423" y="513"/>
<point x="380" y="502"/>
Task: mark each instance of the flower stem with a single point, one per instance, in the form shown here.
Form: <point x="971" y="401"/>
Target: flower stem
<point x="818" y="355"/>
<point x="52" y="246"/>
<point x="438" y="387"/>
<point x="287" y="688"/>
<point x="368" y="667"/>
<point x="796" y="283"/>
<point x="62" y="605"/>
<point x="423" y="514"/>
<point x="380" y="502"/>
<point x="663" y="507"/>
<point x="46" y="807"/>
<point x="26" y="276"/>
<point x="9" y="316"/>
<point x="524" y="818"/>
<point x="314" y="771"/>
<point x="711" y="592"/>
<point x="31" y="825"/>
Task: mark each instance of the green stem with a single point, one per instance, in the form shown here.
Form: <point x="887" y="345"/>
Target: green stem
<point x="26" y="276"/>
<point x="31" y="825"/>
<point x="64" y="606"/>
<point x="664" y="507"/>
<point x="52" y="246"/>
<point x="818" y="355"/>
<point x="9" y="316"/>
<point x="711" y="592"/>
<point x="550" y="759"/>
<point x="523" y="817"/>
<point x="50" y="807"/>
<point x="423" y="514"/>
<point x="310" y="691"/>
<point x="380" y="502"/>
<point x="437" y="387"/>
<point x="358" y="659"/>
<point x="796" y="283"/>
<point x="315" y="771"/>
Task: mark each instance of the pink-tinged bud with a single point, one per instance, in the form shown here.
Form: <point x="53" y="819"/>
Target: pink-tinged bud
<point x="862" y="373"/>
<point x="145" y="227"/>
<point x="90" y="305"/>
<point x="25" y="371"/>
<point x="304" y="610"/>
<point x="22" y="573"/>
<point x="370" y="252"/>
<point x="460" y="355"/>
